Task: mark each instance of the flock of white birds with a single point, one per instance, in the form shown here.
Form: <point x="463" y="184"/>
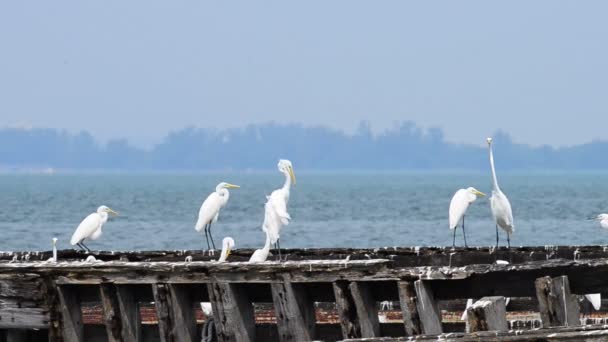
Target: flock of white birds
<point x="276" y="215"/>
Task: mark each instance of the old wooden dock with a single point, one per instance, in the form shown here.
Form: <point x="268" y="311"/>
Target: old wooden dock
<point x="318" y="294"/>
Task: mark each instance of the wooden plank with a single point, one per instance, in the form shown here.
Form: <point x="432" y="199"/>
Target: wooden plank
<point x="129" y="313"/>
<point x="71" y="312"/>
<point x="367" y="309"/>
<point x="295" y="312"/>
<point x="557" y="306"/>
<point x="111" y="312"/>
<point x="428" y="310"/>
<point x="347" y="311"/>
<point x="488" y="314"/>
<point x="233" y="312"/>
<point x="182" y="311"/>
<point x="162" y="303"/>
<point x="407" y="300"/>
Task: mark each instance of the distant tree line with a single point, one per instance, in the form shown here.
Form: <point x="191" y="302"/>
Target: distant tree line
<point x="405" y="147"/>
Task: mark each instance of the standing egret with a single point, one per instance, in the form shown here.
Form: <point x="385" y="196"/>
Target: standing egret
<point x="501" y="208"/>
<point x="210" y="209"/>
<point x="276" y="215"/>
<point x="90" y="227"/>
<point x="603" y="219"/>
<point x="227" y="245"/>
<point x="458" y="208"/>
<point x="260" y="255"/>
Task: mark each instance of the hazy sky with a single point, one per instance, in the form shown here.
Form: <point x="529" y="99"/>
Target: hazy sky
<point x="138" y="69"/>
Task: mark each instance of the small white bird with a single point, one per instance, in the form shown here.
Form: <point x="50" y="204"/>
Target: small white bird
<point x="260" y="255"/>
<point x="90" y="227"/>
<point x="458" y="208"/>
<point x="210" y="209"/>
<point x="227" y="245"/>
<point x="501" y="208"/>
<point x="275" y="210"/>
<point x="595" y="299"/>
<point x="603" y="219"/>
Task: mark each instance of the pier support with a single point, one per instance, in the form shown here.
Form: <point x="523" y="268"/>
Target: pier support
<point x="129" y="313"/>
<point x="488" y="314"/>
<point x="347" y="312"/>
<point x="71" y="313"/>
<point x="557" y="306"/>
<point x="295" y="312"/>
<point x="428" y="310"/>
<point x="233" y="312"/>
<point x="367" y="310"/>
<point x="407" y="299"/>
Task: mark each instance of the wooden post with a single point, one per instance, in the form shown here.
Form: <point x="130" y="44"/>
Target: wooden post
<point x="558" y="307"/>
<point x="407" y="299"/>
<point x="346" y="310"/>
<point x="162" y="303"/>
<point x="367" y="309"/>
<point x="233" y="312"/>
<point x="71" y="312"/>
<point x="488" y="314"/>
<point x="129" y="313"/>
<point x="183" y="319"/>
<point x="295" y="312"/>
<point x="428" y="310"/>
<point x="111" y="312"/>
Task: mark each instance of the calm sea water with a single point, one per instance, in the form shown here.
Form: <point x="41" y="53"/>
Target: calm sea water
<point x="158" y="211"/>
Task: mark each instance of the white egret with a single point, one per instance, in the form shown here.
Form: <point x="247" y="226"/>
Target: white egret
<point x="458" y="208"/>
<point x="260" y="255"/>
<point x="276" y="215"/>
<point x="501" y="208"/>
<point x="227" y="245"/>
<point x="595" y="299"/>
<point x="210" y="209"/>
<point x="90" y="227"/>
<point x="603" y="219"/>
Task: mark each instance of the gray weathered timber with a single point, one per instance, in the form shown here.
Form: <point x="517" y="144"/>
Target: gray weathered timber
<point x="163" y="307"/>
<point x="182" y="311"/>
<point x="345" y="305"/>
<point x="233" y="312"/>
<point x="488" y="314"/>
<point x="111" y="312"/>
<point x="295" y="312"/>
<point x="428" y="310"/>
<point x="129" y="313"/>
<point x="22" y="301"/>
<point x="407" y="300"/>
<point x="558" y="307"/>
<point x="367" y="310"/>
<point x="73" y="330"/>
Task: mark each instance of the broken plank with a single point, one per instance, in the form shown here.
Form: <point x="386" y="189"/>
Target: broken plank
<point x="295" y="312"/>
<point x="557" y="306"/>
<point x="487" y="314"/>
<point x="233" y="312"/>
<point x="367" y="310"/>
<point x="428" y="310"/>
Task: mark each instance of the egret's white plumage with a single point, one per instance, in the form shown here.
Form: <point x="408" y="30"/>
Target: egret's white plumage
<point x="260" y="255"/>
<point x="275" y="210"/>
<point x="210" y="209"/>
<point x="227" y="245"/>
<point x="458" y="208"/>
<point x="90" y="227"/>
<point x="499" y="203"/>
<point x="595" y="299"/>
<point x="603" y="219"/>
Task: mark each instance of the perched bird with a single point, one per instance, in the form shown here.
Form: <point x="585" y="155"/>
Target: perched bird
<point x="210" y="209"/>
<point x="501" y="208"/>
<point x="260" y="255"/>
<point x="227" y="245"/>
<point x="458" y="208"/>
<point x="275" y="210"/>
<point x="603" y="219"/>
<point x="90" y="227"/>
<point x="595" y="299"/>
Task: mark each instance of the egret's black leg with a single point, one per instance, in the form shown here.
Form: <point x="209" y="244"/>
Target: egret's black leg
<point x="496" y="236"/>
<point x="278" y="247"/>
<point x="207" y="237"/>
<point x="463" y="233"/>
<point x="508" y="240"/>
<point x="85" y="246"/>
<point x="79" y="245"/>
<point x="454" y="239"/>
<point x="211" y="236"/>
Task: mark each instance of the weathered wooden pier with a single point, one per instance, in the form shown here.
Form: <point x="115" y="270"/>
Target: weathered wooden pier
<point x="318" y="294"/>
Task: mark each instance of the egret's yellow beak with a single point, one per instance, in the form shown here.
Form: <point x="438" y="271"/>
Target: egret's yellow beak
<point x="112" y="212"/>
<point x="479" y="193"/>
<point x="231" y="186"/>
<point x="292" y="175"/>
<point x="228" y="252"/>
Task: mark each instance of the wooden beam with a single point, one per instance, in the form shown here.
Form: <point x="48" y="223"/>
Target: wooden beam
<point x="233" y="312"/>
<point x="558" y="307"/>
<point x="488" y="314"/>
<point x="129" y="313"/>
<point x="111" y="312"/>
<point x="407" y="300"/>
<point x="295" y="312"/>
<point x="162" y="303"/>
<point x="347" y="311"/>
<point x="182" y="311"/>
<point x="367" y="309"/>
<point x="71" y="312"/>
<point x="428" y="310"/>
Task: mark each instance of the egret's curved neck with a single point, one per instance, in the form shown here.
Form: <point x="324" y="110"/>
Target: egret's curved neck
<point x="224" y="254"/>
<point x="287" y="183"/>
<point x="224" y="195"/>
<point x="266" y="248"/>
<point x="494" y="180"/>
<point x="104" y="217"/>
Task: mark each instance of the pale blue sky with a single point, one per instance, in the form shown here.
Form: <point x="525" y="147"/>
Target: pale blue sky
<point x="138" y="69"/>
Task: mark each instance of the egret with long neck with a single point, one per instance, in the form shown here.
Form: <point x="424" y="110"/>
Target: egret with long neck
<point x="275" y="210"/>
<point x="227" y="246"/>
<point x="90" y="227"/>
<point x="260" y="255"/>
<point x="210" y="210"/>
<point x="499" y="203"/>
